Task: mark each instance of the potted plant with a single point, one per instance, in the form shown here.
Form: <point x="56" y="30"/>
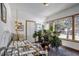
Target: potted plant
<point x="35" y="35"/>
<point x="55" y="40"/>
<point x="45" y="43"/>
<point x="39" y="34"/>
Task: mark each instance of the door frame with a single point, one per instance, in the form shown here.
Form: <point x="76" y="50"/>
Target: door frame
<point x="26" y="26"/>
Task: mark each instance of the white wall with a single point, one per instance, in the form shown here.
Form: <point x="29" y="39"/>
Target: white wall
<point x="22" y="16"/>
<point x="73" y="45"/>
<point x="64" y="13"/>
<point x="6" y="27"/>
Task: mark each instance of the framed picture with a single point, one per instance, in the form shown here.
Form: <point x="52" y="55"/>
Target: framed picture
<point x="20" y="27"/>
<point x="0" y="11"/>
<point x="3" y="13"/>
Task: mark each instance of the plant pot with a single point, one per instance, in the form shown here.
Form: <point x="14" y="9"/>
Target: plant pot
<point x="45" y="46"/>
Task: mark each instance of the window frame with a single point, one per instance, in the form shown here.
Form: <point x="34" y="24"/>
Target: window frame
<point x="65" y="18"/>
<point x="73" y="27"/>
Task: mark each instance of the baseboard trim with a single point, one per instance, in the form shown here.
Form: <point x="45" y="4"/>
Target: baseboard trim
<point x="72" y="49"/>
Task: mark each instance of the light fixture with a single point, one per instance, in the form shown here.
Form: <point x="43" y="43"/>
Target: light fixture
<point x="45" y="4"/>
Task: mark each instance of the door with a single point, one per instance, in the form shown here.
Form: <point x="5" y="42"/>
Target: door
<point x="30" y="28"/>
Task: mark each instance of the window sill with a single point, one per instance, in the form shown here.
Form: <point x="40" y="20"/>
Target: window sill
<point x="70" y="40"/>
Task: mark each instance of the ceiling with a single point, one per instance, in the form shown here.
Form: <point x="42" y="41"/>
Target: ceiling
<point x="37" y="11"/>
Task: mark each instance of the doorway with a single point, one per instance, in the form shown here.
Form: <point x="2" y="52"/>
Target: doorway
<point x="30" y="29"/>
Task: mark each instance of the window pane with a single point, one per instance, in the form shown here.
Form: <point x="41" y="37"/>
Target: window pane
<point x="64" y="26"/>
<point x="38" y="27"/>
<point x="46" y="26"/>
<point x="77" y="28"/>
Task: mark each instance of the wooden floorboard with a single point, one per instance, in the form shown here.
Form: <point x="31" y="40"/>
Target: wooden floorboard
<point x="62" y="52"/>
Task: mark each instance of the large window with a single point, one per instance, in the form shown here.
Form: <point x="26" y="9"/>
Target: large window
<point x="77" y="27"/>
<point x="46" y="26"/>
<point x="68" y="27"/>
<point x="64" y="26"/>
<point x="38" y="27"/>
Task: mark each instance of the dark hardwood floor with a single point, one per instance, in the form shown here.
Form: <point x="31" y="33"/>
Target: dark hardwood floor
<point x="62" y="52"/>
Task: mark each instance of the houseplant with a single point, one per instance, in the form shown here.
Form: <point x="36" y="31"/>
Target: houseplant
<point x="39" y="33"/>
<point x="55" y="40"/>
<point x="35" y="35"/>
<point x="45" y="42"/>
